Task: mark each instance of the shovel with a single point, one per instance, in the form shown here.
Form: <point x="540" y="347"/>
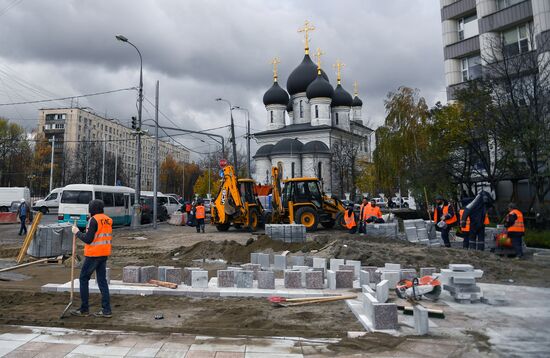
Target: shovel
<point x="72" y="276"/>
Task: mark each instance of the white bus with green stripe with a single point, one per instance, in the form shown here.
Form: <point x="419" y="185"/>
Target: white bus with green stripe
<point x="118" y="200"/>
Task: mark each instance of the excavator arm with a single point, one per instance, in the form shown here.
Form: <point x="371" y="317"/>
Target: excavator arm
<point x="229" y="201"/>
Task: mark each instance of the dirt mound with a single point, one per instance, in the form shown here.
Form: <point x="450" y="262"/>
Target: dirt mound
<point x="378" y="251"/>
<point x="233" y="252"/>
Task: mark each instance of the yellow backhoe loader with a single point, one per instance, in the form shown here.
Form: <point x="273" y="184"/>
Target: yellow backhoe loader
<point x="236" y="203"/>
<point x="301" y="201"/>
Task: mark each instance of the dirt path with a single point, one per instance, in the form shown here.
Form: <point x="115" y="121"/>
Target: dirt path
<point x="223" y="317"/>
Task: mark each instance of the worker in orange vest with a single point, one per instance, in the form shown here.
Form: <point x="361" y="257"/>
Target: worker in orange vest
<point x="200" y="215"/>
<point x="515" y="227"/>
<point x="474" y="217"/>
<point x="466" y="229"/>
<point x="444" y="218"/>
<point x="372" y="213"/>
<point x="362" y="223"/>
<point x="349" y="219"/>
<point x="97" y="249"/>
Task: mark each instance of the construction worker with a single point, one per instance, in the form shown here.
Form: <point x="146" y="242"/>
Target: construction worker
<point x="444" y="218"/>
<point x="362" y="227"/>
<point x="349" y="219"/>
<point x="372" y="213"/>
<point x="200" y="214"/>
<point x="473" y="218"/>
<point x="97" y="249"/>
<point x="515" y="227"/>
<point x="22" y="213"/>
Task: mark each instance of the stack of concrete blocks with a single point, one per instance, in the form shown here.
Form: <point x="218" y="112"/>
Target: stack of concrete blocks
<point x="460" y="281"/>
<point x="386" y="230"/>
<point x="416" y="231"/>
<point x="286" y="232"/>
<point x="199" y="279"/>
<point x="433" y="238"/>
<point x="51" y="240"/>
<point x="382" y="315"/>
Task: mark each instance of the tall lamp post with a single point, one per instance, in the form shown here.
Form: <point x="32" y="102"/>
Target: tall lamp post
<point x="136" y="218"/>
<point x="233" y="142"/>
<point x="247" y="139"/>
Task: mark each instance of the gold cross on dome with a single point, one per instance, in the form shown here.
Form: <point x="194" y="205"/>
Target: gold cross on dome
<point x="275" y="62"/>
<point x="318" y="55"/>
<point x="339" y="65"/>
<point x="355" y="89"/>
<point x="306" y="29"/>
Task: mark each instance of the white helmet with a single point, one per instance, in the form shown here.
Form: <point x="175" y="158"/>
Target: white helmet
<point x="22" y="200"/>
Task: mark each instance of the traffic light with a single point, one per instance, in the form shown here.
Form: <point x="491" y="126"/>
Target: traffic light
<point x="134" y="123"/>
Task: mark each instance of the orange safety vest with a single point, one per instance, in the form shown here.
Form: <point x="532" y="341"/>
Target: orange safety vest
<point x="372" y="211"/>
<point x="518" y="224"/>
<point x="349" y="220"/>
<point x="467" y="227"/>
<point x="199" y="212"/>
<point x="450" y="221"/>
<point x="101" y="246"/>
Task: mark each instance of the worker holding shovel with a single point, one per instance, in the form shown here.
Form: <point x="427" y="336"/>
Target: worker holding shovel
<point x="97" y="249"/>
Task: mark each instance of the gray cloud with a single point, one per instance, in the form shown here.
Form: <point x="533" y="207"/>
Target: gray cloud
<point x="200" y="50"/>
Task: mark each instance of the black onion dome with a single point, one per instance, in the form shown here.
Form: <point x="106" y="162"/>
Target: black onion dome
<point x="289" y="106"/>
<point x="319" y="88"/>
<point x="287" y="146"/>
<point x="341" y="97"/>
<point x="264" y="151"/>
<point x="315" y="147"/>
<point x="276" y="95"/>
<point x="357" y="102"/>
<point x="302" y="76"/>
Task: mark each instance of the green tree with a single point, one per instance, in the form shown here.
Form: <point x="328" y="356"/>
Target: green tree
<point x="15" y="155"/>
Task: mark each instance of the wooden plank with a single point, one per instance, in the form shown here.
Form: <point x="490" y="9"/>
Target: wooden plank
<point x="30" y="236"/>
<point x="23" y="265"/>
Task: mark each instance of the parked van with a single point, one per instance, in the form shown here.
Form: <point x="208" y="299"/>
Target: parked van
<point x="11" y="194"/>
<point x="50" y="203"/>
<point x="169" y="202"/>
<point x="75" y="198"/>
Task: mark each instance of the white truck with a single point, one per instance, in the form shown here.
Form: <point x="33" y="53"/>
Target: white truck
<point x="11" y="194"/>
<point x="50" y="204"/>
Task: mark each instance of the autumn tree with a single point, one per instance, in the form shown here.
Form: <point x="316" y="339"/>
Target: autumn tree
<point x="15" y="155"/>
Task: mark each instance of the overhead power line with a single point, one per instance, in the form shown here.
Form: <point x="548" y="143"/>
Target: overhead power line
<point x="70" y="97"/>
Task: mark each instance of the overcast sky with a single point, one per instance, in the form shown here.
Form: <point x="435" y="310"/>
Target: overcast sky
<point x="200" y="50"/>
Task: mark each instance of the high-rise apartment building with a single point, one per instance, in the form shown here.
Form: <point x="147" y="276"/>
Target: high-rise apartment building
<point x="72" y="126"/>
<point x="472" y="28"/>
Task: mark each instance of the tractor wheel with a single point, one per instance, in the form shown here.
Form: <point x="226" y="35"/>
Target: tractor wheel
<point x="308" y="217"/>
<point x="340" y="222"/>
<point x="254" y="219"/>
<point x="238" y="226"/>
<point x="44" y="210"/>
<point x="328" y="224"/>
<point x="223" y="227"/>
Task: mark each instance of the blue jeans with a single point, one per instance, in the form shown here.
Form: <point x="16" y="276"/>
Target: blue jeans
<point x="23" y="227"/>
<point x="99" y="265"/>
<point x="517" y="242"/>
<point x="475" y="240"/>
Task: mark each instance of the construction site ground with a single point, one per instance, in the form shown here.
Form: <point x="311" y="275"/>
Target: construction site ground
<point x="22" y="303"/>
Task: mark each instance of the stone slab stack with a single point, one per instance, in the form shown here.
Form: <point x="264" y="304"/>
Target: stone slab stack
<point x="386" y="230"/>
<point x="416" y="231"/>
<point x="51" y="240"/>
<point x="460" y="281"/>
<point x="286" y="232"/>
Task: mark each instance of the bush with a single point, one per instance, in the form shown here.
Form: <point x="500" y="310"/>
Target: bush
<point x="540" y="239"/>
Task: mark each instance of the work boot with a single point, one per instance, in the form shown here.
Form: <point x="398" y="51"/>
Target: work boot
<point x="103" y="315"/>
<point x="80" y="313"/>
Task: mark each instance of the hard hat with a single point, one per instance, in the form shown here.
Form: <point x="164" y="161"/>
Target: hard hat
<point x="22" y="200"/>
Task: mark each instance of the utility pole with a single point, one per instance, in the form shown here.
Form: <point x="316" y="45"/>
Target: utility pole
<point x="87" y="151"/>
<point x="156" y="168"/>
<point x="233" y="141"/>
<point x="247" y="139"/>
<point x="51" y="163"/>
<point x="103" y="167"/>
<point x="116" y="163"/>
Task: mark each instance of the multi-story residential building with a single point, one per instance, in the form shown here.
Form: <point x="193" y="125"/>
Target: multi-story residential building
<point x="72" y="126"/>
<point x="471" y="28"/>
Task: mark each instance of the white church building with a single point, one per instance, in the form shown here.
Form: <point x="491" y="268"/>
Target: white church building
<point x="305" y="123"/>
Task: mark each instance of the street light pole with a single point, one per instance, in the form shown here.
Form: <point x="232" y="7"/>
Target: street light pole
<point x="233" y="141"/>
<point x="103" y="165"/>
<point x="136" y="219"/>
<point x="247" y="139"/>
<point x="51" y="164"/>
<point x="156" y="169"/>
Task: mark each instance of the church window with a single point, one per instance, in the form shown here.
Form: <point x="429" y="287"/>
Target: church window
<point x="316" y="111"/>
<point x="271" y="113"/>
<point x="292" y="170"/>
<point x="336" y="118"/>
<point x="301" y="109"/>
<point x="319" y="168"/>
